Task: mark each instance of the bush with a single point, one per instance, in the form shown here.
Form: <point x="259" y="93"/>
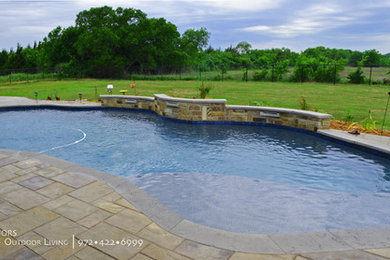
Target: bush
<point x="204" y="90"/>
<point x="356" y="77"/>
<point x="260" y="75"/>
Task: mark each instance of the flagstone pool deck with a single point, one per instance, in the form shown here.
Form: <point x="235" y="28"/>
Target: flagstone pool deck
<point x="46" y="201"/>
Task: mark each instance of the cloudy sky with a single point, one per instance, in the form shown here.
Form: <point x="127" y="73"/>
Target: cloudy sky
<point x="295" y="24"/>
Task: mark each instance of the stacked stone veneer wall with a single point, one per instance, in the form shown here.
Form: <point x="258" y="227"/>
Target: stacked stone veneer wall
<point x="217" y="110"/>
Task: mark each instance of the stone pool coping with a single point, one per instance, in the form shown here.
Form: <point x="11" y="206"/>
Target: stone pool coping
<point x="336" y="242"/>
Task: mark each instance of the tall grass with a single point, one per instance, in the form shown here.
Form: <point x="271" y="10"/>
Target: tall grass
<point x="17" y="77"/>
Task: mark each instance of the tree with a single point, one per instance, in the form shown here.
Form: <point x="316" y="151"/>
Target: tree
<point x="192" y="43"/>
<point x="304" y="69"/>
<point x="371" y="58"/>
<point x="243" y="47"/>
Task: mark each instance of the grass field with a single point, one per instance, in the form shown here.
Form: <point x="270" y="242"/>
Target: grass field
<point x="339" y="100"/>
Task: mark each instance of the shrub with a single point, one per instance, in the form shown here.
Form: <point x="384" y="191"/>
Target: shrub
<point x="204" y="90"/>
<point x="260" y="75"/>
<point x="356" y="77"/>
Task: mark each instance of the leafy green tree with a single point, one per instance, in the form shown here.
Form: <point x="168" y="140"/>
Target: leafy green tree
<point x="371" y="58"/>
<point x="243" y="47"/>
<point x="192" y="43"/>
<point x="329" y="71"/>
<point x="3" y="59"/>
<point x="304" y="69"/>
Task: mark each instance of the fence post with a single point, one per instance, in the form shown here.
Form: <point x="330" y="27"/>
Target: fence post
<point x="369" y="80"/>
<point x="335" y="74"/>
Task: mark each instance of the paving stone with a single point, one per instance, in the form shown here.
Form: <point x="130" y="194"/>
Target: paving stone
<point x="2" y="156"/>
<point x="9" y="168"/>
<point x="94" y="218"/>
<point x="246" y="256"/>
<point x="353" y="254"/>
<point x="26" y="171"/>
<point x="62" y="252"/>
<point x="39" y="246"/>
<point x="91" y="192"/>
<point x="167" y="218"/>
<point x="159" y="236"/>
<point x="55" y="190"/>
<point x="5" y="176"/>
<point x="27" y="163"/>
<point x="72" y="179"/>
<point x="36" y="183"/>
<point x="113" y="196"/>
<point x="91" y="253"/>
<point x="2" y="216"/>
<point x="309" y="242"/>
<point x="72" y="257"/>
<point x="21" y="178"/>
<point x="7" y="249"/>
<point x="53" y="204"/>
<point x="60" y="228"/>
<point x="49" y="172"/>
<point x="124" y="203"/>
<point x="385" y="252"/>
<point x="103" y="231"/>
<point x="19" y="198"/>
<point x="8" y="186"/>
<point x="142" y="257"/>
<point x="75" y="209"/>
<point x="129" y="220"/>
<point x="7" y="161"/>
<point x="108" y="206"/>
<point x="199" y="251"/>
<point x="23" y="254"/>
<point x="157" y="252"/>
<point x="250" y="243"/>
<point x="28" y="220"/>
<point x="8" y="209"/>
<point x="365" y="238"/>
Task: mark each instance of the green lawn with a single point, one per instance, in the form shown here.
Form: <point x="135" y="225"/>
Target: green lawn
<point x="339" y="100"/>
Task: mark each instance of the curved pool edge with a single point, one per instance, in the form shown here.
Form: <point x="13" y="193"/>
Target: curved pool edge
<point x="298" y="243"/>
<point x="380" y="145"/>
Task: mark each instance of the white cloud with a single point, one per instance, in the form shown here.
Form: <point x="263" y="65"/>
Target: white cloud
<point x="166" y="5"/>
<point x="188" y="11"/>
<point x="314" y="19"/>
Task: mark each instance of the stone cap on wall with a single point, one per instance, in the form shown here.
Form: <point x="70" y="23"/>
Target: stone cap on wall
<point x="151" y="99"/>
<point x="188" y="100"/>
<point x="282" y="110"/>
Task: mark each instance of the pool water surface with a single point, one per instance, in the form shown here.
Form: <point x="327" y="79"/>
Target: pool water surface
<point x="241" y="178"/>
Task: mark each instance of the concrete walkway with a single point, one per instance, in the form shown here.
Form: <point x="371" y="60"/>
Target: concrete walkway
<point x="375" y="142"/>
<point x="22" y="102"/>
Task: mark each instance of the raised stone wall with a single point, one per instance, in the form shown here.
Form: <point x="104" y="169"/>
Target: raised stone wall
<point x="217" y="110"/>
<point x="128" y="101"/>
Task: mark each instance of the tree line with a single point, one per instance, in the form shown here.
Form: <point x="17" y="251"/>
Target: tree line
<point x="113" y="43"/>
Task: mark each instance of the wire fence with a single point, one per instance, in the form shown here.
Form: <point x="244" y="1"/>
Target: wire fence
<point x="330" y="73"/>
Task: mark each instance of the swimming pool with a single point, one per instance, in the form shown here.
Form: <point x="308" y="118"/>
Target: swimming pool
<point x="248" y="179"/>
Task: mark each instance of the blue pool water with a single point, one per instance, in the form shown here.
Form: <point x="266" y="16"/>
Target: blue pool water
<point x="240" y="178"/>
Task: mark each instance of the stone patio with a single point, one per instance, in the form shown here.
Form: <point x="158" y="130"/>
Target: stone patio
<point x="57" y="212"/>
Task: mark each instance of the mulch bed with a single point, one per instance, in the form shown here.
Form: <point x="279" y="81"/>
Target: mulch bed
<point x="350" y="126"/>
